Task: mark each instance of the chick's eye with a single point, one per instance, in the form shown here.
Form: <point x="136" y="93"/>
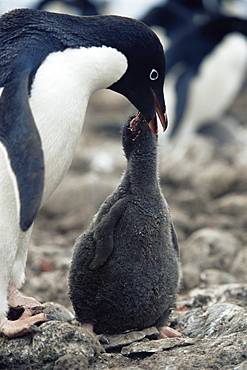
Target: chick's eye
<point x="154" y="74"/>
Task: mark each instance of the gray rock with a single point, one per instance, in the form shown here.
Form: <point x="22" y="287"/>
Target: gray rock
<point x="210" y="248"/>
<point x="231" y="204"/>
<point x="150" y="347"/>
<point x="238" y="267"/>
<point x="191" y="276"/>
<point x="59" y="310"/>
<point x="51" y="341"/>
<point x="213" y="294"/>
<point x="242" y="366"/>
<point x="218" y="320"/>
<point x="216" y="179"/>
<point x="120" y="340"/>
<point x="214" y="256"/>
<point x="71" y="361"/>
<point x="221" y="353"/>
<point x="214" y="276"/>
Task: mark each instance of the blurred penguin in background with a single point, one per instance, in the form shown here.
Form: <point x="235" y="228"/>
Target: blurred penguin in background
<point x="73" y="7"/>
<point x="206" y="53"/>
<point x="76" y="7"/>
<point x="170" y="19"/>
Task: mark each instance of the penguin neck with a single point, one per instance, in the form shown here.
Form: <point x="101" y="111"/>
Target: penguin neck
<point x="142" y="172"/>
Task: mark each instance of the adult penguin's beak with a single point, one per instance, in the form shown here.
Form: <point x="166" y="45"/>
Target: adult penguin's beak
<point x="161" y="114"/>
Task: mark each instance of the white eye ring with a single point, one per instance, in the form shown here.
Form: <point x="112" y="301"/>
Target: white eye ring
<point x="154" y="74"/>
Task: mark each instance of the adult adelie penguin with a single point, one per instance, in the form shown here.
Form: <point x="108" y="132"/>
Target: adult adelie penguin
<point x="50" y="64"/>
<point x="206" y="70"/>
<point x="125" y="268"/>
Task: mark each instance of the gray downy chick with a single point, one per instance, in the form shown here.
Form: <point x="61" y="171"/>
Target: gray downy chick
<point x="125" y="269"/>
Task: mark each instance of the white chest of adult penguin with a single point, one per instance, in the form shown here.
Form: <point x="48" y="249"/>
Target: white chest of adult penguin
<point x="50" y="64"/>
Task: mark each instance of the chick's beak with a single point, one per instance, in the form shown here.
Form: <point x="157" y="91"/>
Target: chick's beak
<point x="162" y="116"/>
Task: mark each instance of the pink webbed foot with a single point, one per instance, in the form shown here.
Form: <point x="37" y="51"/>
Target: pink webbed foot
<point x="167" y="332"/>
<point x="23" y="325"/>
<point x="16" y="299"/>
<point x="31" y="311"/>
<point x="22" y="322"/>
<point x="88" y="326"/>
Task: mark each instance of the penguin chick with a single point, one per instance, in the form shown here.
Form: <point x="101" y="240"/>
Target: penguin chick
<point x="50" y="65"/>
<point x="125" y="268"/>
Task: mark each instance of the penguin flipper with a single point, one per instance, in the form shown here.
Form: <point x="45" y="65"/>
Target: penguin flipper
<point x="19" y="135"/>
<point x="103" y="234"/>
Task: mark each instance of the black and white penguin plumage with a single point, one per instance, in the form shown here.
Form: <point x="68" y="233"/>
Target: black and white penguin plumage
<point x="206" y="69"/>
<point x="50" y="64"/>
<point x="125" y="268"/>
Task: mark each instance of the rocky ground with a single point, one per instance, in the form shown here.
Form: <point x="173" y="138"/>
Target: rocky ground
<point x="206" y="191"/>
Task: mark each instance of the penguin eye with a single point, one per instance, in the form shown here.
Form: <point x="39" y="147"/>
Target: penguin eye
<point x="154" y="74"/>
